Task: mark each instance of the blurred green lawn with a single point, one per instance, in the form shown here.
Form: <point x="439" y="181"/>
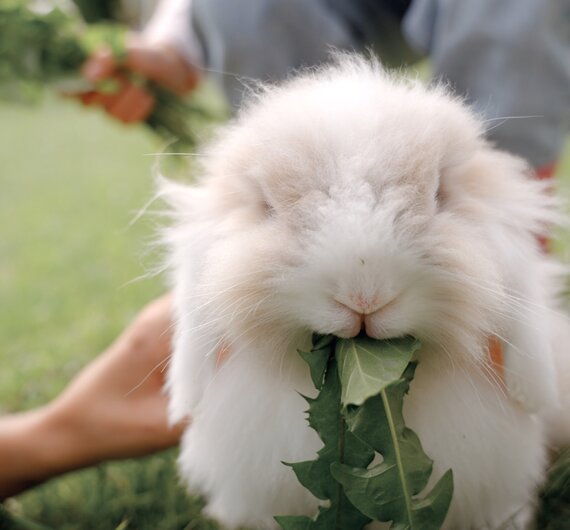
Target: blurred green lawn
<point x="71" y="182"/>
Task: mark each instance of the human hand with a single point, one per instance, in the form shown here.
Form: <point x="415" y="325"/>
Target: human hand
<point x="155" y="62"/>
<point x="114" y="408"/>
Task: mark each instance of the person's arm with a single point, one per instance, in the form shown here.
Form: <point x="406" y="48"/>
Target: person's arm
<point x="29" y="444"/>
<point x="115" y="408"/>
<point x="171" y="25"/>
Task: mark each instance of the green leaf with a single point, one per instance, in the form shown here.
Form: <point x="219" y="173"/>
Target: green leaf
<point x="367" y="366"/>
<point x="318" y="358"/>
<point x="373" y="380"/>
<point x="310" y="474"/>
<point x="388" y="491"/>
<point x="294" y="522"/>
<point x="339" y="445"/>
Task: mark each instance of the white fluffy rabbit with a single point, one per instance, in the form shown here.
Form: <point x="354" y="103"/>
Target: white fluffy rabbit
<point x="348" y="199"/>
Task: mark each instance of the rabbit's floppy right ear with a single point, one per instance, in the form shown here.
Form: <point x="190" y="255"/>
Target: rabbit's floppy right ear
<point x="192" y="367"/>
<point x="196" y="341"/>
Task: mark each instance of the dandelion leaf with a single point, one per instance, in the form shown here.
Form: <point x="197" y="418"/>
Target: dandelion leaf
<point x="367" y="366"/>
<point x="389" y="490"/>
<point x="358" y="414"/>
<point x="295" y="522"/>
<point x="318" y="358"/>
<point x="339" y="445"/>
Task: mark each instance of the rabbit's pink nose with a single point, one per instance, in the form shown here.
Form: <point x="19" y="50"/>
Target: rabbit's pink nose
<point x="359" y="309"/>
<point x="362" y="304"/>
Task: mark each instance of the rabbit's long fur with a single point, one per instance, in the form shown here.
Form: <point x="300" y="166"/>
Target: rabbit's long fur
<point x="349" y="191"/>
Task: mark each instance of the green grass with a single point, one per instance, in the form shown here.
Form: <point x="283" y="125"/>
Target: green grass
<point x="71" y="181"/>
<point x="135" y="494"/>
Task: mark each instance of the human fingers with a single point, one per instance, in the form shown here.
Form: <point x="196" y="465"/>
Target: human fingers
<point x="162" y="64"/>
<point x="121" y="392"/>
<point x="94" y="98"/>
<point x="88" y="98"/>
<point x="129" y="103"/>
<point x="160" y="433"/>
<point x="134" y="104"/>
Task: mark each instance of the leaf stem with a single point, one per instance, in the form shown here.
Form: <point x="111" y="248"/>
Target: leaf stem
<point x="399" y="462"/>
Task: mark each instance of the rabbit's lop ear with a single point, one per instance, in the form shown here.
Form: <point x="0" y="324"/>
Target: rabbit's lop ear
<point x="498" y="193"/>
<point x="528" y="358"/>
<point x="195" y="343"/>
<point x="528" y="212"/>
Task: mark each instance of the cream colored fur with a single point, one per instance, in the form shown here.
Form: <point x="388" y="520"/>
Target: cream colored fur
<point x="348" y="190"/>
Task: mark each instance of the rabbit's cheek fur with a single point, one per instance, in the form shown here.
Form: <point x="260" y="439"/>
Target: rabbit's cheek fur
<point x="390" y="215"/>
<point x="240" y="274"/>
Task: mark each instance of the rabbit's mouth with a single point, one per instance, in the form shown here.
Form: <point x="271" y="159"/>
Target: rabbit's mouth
<point x="369" y="319"/>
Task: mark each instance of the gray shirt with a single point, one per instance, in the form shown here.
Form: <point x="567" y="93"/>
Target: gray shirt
<point x="509" y="58"/>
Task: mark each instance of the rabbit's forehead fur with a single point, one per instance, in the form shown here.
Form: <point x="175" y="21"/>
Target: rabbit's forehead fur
<point x="353" y="134"/>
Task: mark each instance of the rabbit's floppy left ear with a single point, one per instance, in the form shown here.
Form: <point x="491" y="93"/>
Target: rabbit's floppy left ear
<point x="526" y="339"/>
<point x="528" y="365"/>
<point x="498" y="192"/>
